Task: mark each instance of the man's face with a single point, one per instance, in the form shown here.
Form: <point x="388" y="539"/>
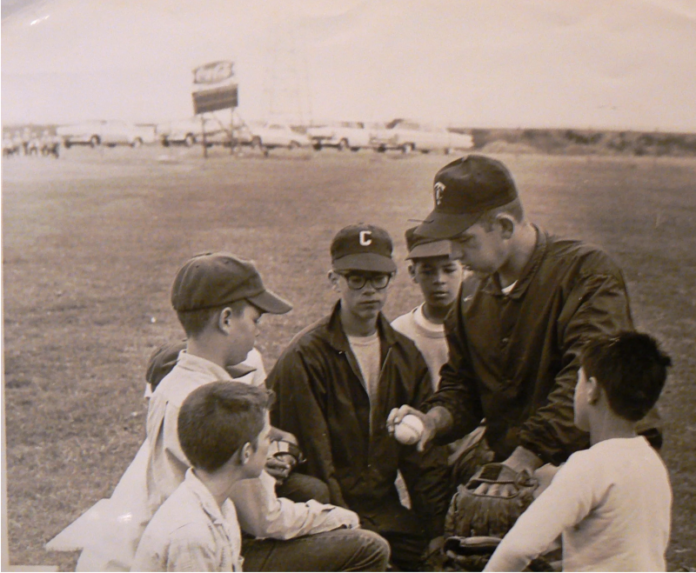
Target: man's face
<point x="366" y="301"/>
<point x="257" y="461"/>
<point x="439" y="279"/>
<point x="482" y="251"/>
<point x="242" y="333"/>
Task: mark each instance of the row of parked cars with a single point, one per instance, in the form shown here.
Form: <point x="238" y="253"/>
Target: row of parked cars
<point x="405" y="135"/>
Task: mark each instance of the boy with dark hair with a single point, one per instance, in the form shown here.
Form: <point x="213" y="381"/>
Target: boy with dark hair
<point x="337" y="381"/>
<point x="436" y="267"/>
<point x="224" y="431"/>
<point x="611" y="503"/>
<point x="284" y="453"/>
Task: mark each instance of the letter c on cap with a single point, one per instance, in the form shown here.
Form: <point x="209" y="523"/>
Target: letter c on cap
<point x="365" y="238"/>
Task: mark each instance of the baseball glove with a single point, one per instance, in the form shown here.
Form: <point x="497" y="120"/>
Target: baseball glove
<point x="469" y="553"/>
<point x="476" y="523"/>
<point x="283" y="456"/>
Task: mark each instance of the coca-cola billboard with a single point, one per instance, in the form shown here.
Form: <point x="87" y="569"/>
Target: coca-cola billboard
<point x="213" y="73"/>
<point x="214" y="87"/>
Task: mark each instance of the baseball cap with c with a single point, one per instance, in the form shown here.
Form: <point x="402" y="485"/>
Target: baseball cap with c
<point x="214" y="279"/>
<point x="362" y="248"/>
<point x="463" y="191"/>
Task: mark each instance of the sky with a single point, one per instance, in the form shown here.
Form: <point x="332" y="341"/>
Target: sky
<point x="612" y="64"/>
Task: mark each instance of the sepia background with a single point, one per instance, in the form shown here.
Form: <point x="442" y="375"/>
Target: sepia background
<point x="591" y="104"/>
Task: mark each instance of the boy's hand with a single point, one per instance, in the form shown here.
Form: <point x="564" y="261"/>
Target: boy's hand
<point x="280" y="466"/>
<point x="282" y="459"/>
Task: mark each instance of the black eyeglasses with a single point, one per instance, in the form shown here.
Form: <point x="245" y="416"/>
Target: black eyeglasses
<point x="357" y="281"/>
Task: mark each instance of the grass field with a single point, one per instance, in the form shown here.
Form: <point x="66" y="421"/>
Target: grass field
<point x="92" y="242"/>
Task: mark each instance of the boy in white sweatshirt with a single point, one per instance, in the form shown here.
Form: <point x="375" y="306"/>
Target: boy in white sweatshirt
<point x="612" y="502"/>
<point x="435" y="266"/>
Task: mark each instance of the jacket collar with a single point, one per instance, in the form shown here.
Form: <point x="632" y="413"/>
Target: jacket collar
<point x="338" y="339"/>
<point x="491" y="284"/>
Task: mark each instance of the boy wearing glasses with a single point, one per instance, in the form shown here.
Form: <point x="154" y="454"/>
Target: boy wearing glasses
<point x="337" y="382"/>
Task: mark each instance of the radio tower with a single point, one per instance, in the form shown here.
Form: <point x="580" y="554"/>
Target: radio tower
<point x="287" y="78"/>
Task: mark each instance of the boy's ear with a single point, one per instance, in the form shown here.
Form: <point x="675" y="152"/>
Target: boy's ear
<point x="333" y="280"/>
<point x="245" y="453"/>
<point x="412" y="272"/>
<point x="224" y="319"/>
<point x="593" y="390"/>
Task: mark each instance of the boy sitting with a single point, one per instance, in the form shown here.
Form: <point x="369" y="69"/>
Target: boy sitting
<point x="224" y="432"/>
<point x="219" y="300"/>
<point x="611" y="503"/>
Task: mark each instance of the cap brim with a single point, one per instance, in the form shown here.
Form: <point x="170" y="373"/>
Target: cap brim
<point x="441" y="248"/>
<point x="446" y="225"/>
<point x="270" y="302"/>
<point x="365" y="262"/>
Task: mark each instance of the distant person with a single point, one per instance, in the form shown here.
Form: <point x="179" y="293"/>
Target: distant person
<point x="336" y="383"/>
<point x="611" y="503"/>
<point x="224" y="431"/>
<point x="514" y="345"/>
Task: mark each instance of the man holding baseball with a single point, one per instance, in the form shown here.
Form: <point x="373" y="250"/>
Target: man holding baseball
<point x="514" y="345"/>
<point x="336" y="383"/>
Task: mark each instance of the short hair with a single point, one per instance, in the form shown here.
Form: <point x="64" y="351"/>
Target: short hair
<point x="196" y="321"/>
<point x="217" y="419"/>
<point x="513" y="208"/>
<point x="631" y="369"/>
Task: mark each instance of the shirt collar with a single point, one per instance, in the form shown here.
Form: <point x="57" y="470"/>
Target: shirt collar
<point x="338" y="339"/>
<point x="219" y="515"/>
<point x="198" y="364"/>
<point x="491" y="284"/>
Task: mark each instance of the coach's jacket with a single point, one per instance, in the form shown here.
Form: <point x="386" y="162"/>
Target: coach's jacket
<point x="322" y="400"/>
<point x="514" y="358"/>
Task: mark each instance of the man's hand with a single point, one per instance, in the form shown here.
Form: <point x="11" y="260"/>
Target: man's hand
<point x="520" y="460"/>
<point x="436" y="419"/>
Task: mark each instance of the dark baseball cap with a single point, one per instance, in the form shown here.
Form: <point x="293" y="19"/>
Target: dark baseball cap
<point x="420" y="247"/>
<point x="362" y="248"/>
<point x="463" y="191"/>
<point x="214" y="279"/>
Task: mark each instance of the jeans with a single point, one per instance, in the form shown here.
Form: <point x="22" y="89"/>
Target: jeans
<point x="402" y="529"/>
<point x="337" y="550"/>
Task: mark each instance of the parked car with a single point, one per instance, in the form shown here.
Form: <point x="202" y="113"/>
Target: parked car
<point x="342" y="135"/>
<point x="106" y="132"/>
<point x="190" y="131"/>
<point x="269" y="135"/>
<point x="409" y="135"/>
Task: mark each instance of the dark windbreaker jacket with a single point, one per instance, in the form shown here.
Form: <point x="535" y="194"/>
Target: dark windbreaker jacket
<point x="514" y="358"/>
<point x="322" y="400"/>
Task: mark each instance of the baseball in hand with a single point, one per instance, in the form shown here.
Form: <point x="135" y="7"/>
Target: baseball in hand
<point x="409" y="430"/>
